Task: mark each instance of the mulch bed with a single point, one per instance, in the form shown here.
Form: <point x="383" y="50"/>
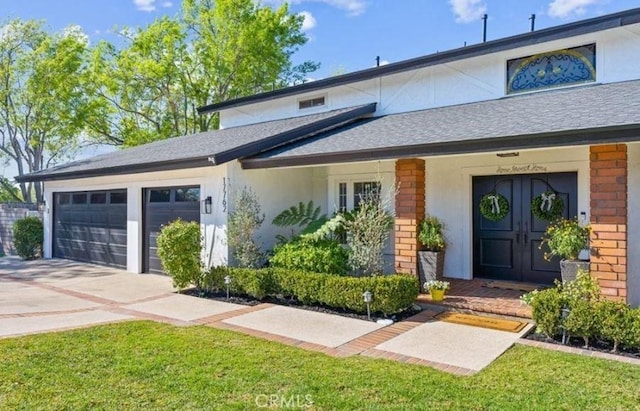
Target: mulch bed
<point x="594" y="345"/>
<point x="251" y="301"/>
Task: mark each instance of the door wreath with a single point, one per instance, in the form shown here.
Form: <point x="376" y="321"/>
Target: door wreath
<point x="494" y="206"/>
<point x="548" y="206"/>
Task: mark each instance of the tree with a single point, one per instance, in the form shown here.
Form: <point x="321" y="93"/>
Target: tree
<point x="8" y="192"/>
<point x="42" y="102"/>
<point x="216" y="50"/>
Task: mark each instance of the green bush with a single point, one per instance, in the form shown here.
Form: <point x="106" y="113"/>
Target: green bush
<point x="430" y="234"/>
<point x="615" y="323"/>
<point x="566" y="238"/>
<point x="179" y="251"/>
<point x="391" y="294"/>
<point x="582" y="320"/>
<point x="324" y="256"/>
<point x="546" y="309"/>
<point x="28" y="236"/>
<point x="634" y="335"/>
<point x="242" y="226"/>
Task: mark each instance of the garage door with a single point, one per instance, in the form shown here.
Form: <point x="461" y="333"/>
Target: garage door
<point x="162" y="206"/>
<point x="91" y="226"/>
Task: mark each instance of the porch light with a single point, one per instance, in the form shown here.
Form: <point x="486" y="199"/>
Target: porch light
<point x="227" y="282"/>
<point x="207" y="205"/>
<point x="510" y="154"/>
<point x="368" y="297"/>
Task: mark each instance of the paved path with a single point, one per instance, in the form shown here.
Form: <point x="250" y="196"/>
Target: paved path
<point x="50" y="295"/>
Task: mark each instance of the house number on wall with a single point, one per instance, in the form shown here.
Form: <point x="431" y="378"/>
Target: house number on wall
<point x="527" y="168"/>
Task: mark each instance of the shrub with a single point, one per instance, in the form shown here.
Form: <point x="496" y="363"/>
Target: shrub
<point x="391" y="294"/>
<point x="546" y="309"/>
<point x="430" y="234"/>
<point x="179" y="251"/>
<point x="565" y="239"/>
<point x="28" y="236"/>
<point x="615" y="323"/>
<point x="582" y="320"/>
<point x="243" y="223"/>
<point x="367" y="233"/>
<point x="324" y="256"/>
<point x="634" y="335"/>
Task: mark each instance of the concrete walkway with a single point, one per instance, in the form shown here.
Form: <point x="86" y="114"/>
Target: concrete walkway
<point x="50" y="295"/>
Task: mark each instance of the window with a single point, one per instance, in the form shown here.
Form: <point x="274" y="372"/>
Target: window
<point x="64" y="198"/>
<point x="365" y="191"/>
<point x="160" y="196"/>
<point x="310" y="103"/>
<point x="187" y="194"/>
<point x="342" y="197"/>
<point x="118" y="197"/>
<point x="98" y="198"/>
<point x="79" y="198"/>
<point x="554" y="69"/>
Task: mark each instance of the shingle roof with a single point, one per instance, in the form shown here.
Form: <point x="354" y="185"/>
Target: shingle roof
<point x="579" y="115"/>
<point x="577" y="28"/>
<point x="203" y="149"/>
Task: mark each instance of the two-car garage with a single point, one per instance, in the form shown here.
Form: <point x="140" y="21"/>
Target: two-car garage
<point x="91" y="226"/>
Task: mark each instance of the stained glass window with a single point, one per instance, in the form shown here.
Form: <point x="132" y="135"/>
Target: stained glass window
<point x="557" y="68"/>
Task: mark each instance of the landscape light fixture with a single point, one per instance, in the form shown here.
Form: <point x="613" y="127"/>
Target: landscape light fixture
<point x="227" y="281"/>
<point x="368" y="297"/>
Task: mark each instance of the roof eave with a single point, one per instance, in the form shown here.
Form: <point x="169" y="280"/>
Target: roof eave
<point x="119" y="170"/>
<point x="602" y="135"/>
<point x="601" y="23"/>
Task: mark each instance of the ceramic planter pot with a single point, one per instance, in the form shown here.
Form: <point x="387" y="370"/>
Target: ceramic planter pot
<point x="430" y="266"/>
<point x="437" y="295"/>
<point x="569" y="269"/>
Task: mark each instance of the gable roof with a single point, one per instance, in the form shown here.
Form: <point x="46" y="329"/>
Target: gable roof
<point x="579" y="115"/>
<point x="600" y="23"/>
<point x="203" y="149"/>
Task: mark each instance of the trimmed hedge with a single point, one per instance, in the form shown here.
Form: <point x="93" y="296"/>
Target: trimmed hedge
<point x="391" y="293"/>
<point x="28" y="236"/>
<point x="322" y="256"/>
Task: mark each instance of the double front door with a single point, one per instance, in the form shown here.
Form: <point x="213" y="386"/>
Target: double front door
<point x="509" y="249"/>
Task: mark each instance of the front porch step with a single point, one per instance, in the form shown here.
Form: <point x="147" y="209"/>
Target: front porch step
<point x="503" y="308"/>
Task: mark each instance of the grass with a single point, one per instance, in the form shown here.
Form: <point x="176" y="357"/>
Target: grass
<point x="146" y="365"/>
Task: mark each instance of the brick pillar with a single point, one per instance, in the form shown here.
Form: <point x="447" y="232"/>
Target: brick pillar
<point x="410" y="207"/>
<point x="608" y="195"/>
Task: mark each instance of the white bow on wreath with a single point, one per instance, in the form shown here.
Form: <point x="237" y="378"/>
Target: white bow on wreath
<point x="547" y="201"/>
<point x="495" y="205"/>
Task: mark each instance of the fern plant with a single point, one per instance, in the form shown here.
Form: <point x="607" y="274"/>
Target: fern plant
<point x="302" y="215"/>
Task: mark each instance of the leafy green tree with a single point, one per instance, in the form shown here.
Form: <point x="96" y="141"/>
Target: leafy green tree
<point x="42" y="102"/>
<point x="214" y="51"/>
<point x="8" y="192"/>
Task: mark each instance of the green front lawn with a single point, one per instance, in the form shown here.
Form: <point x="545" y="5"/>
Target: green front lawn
<point x="145" y="365"/>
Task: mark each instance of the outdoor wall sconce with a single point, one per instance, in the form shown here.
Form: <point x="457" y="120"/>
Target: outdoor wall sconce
<point x="207" y="204"/>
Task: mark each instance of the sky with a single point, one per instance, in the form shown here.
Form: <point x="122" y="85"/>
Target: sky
<point x="344" y="35"/>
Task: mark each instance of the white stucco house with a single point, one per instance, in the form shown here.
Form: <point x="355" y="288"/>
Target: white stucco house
<point x="554" y="110"/>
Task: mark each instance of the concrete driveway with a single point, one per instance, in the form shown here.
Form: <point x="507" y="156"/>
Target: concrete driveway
<point x="46" y="295"/>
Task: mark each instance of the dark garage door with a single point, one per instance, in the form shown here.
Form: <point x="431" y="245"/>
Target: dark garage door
<point x="162" y="206"/>
<point x="91" y="226"/>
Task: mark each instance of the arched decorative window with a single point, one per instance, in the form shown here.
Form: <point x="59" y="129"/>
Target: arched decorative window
<point x="553" y="69"/>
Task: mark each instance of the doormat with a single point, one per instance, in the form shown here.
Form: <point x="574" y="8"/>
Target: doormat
<point x="513" y="285"/>
<point x="483" y="322"/>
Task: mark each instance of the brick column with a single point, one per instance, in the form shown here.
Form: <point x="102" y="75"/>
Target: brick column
<point x="608" y="165"/>
<point x="410" y="207"/>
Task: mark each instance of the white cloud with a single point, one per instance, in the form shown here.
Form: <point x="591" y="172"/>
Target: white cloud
<point x="468" y="10"/>
<point x="145" y="5"/>
<point x="167" y="4"/>
<point x="566" y="8"/>
<point x="309" y="21"/>
<point x="352" y="7"/>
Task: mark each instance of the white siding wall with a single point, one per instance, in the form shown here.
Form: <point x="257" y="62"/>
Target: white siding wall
<point x="449" y="190"/>
<point x="210" y="180"/>
<point x="459" y="82"/>
<point x="633" y="228"/>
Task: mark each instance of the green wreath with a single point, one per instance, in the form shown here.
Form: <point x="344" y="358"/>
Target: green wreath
<point x="548" y="206"/>
<point x="494" y="206"/>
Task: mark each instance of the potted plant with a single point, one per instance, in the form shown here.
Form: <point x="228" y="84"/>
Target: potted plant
<point x="566" y="238"/>
<point x="431" y="259"/>
<point x="437" y="289"/>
